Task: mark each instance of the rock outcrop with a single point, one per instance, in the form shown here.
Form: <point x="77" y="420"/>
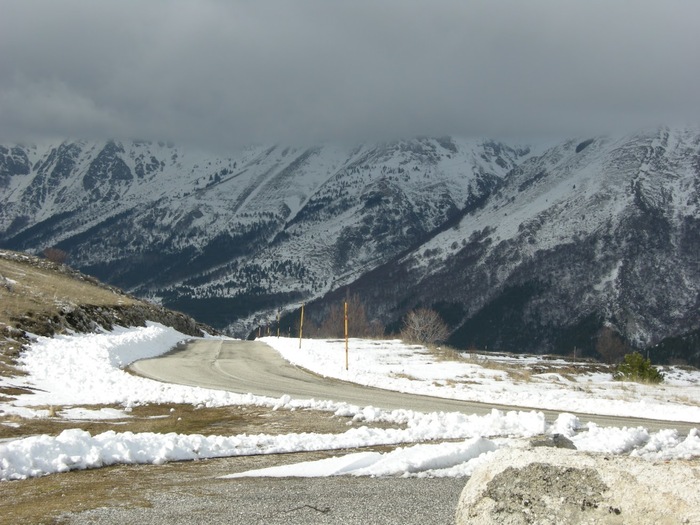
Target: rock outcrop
<point x="546" y="485"/>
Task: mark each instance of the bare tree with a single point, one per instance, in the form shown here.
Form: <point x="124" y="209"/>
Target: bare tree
<point x="424" y="326"/>
<point x="56" y="255"/>
<point x="610" y="346"/>
<point x="358" y="324"/>
<point x="333" y="324"/>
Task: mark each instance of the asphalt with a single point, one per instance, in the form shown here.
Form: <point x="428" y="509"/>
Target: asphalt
<point x="254" y="367"/>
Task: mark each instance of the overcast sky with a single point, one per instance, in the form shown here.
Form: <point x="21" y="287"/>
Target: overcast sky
<point x="225" y="73"/>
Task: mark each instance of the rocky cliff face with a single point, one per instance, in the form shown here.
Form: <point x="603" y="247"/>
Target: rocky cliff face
<point x="519" y="248"/>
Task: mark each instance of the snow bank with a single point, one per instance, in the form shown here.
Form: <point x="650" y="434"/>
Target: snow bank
<point x="77" y="449"/>
<point x="424" y="460"/>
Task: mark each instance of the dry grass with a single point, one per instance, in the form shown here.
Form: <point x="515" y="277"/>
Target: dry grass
<point x="521" y="372"/>
<point x="182" y="419"/>
<point x="33" y="295"/>
<point x="403" y="375"/>
<point x="444" y="353"/>
<point x="517" y="372"/>
<point x="43" y="500"/>
<point x="9" y="351"/>
<point x="30" y="291"/>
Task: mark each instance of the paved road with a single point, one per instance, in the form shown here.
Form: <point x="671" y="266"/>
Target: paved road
<point x="252" y="366"/>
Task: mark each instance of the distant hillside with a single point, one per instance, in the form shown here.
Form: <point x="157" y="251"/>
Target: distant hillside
<point x="44" y="298"/>
<point x="589" y="237"/>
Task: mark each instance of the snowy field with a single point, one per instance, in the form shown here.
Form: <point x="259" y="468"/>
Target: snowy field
<point x="76" y="371"/>
<point x="533" y="381"/>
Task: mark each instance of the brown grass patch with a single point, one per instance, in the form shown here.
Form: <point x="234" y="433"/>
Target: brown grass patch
<point x="184" y="419"/>
<point x="402" y="375"/>
<point x="43" y="500"/>
<point x="444" y="353"/>
<point x="43" y="292"/>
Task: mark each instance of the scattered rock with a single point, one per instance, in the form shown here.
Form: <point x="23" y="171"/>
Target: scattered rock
<point x="556" y="441"/>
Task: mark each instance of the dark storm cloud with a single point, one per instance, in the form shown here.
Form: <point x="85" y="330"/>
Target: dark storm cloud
<point x="227" y="73"/>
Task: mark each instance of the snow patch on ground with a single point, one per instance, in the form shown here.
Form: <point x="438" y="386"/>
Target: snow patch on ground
<point x="82" y="370"/>
<point x="393" y="365"/>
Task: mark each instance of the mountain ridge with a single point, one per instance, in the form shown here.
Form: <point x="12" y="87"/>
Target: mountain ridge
<point x="538" y="263"/>
<point x="238" y="238"/>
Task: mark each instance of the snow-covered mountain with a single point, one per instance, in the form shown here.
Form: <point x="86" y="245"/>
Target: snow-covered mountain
<point x="590" y="233"/>
<point x="229" y="237"/>
<point x="520" y="248"/>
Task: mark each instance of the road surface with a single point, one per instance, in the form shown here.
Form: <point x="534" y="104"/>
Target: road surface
<point x="254" y="367"/>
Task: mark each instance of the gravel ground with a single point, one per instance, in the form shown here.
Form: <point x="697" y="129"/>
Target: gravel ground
<point x="193" y="492"/>
<point x="346" y="500"/>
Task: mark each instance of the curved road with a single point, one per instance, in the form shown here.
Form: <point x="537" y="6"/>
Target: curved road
<point x="254" y="367"/>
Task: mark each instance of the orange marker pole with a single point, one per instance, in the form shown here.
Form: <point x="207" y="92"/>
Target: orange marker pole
<point x="301" y="324"/>
<point x="346" y="335"/>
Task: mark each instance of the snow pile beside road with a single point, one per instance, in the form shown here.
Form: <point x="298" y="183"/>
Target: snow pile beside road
<point x="443" y="459"/>
<point x="459" y="459"/>
<point x="76" y="450"/>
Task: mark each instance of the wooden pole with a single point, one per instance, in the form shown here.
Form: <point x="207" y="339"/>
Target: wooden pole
<point x="278" y="324"/>
<point x="301" y="324"/>
<point x="346" y="335"/>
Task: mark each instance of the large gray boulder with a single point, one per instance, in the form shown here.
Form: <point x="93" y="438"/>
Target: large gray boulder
<point x="546" y="485"/>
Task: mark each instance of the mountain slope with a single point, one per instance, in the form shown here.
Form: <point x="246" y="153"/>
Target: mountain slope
<point x="593" y="232"/>
<point x="257" y="230"/>
<point x="40" y="297"/>
<point x="518" y="249"/>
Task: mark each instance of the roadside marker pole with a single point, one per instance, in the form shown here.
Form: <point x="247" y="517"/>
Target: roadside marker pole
<point x="278" y="324"/>
<point x="346" y="335"/>
<point x="301" y="324"/>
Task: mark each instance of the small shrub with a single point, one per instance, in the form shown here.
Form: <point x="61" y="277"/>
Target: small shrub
<point x="635" y="368"/>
